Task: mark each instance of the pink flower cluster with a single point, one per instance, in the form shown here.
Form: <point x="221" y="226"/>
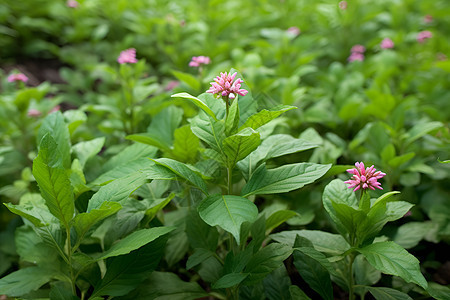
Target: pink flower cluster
<point x="197" y="61"/>
<point x="423" y="36"/>
<point x="72" y="3"/>
<point x="127" y="56"/>
<point x="294" y="30"/>
<point x="387" y="43"/>
<point x="343" y="5"/>
<point x="17" y="77"/>
<point x="364" y="178"/>
<point x="357" y="53"/>
<point x="428" y="19"/>
<point x="224" y="86"/>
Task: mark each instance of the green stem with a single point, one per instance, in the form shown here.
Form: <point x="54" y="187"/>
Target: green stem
<point x="69" y="251"/>
<point x="351" y="295"/>
<point x="230" y="180"/>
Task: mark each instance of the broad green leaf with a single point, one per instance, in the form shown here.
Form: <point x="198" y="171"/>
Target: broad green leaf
<point x="74" y="118"/>
<point x="168" y="286"/>
<point x="265" y="116"/>
<point x="239" y="145"/>
<point x="384" y="197"/>
<point x="200" y="234"/>
<point x="278" y="218"/>
<point x="437" y="291"/>
<point x="55" y="126"/>
<point x="273" y="146"/>
<point x="338" y="192"/>
<point x="62" y="291"/>
<point x="183" y="171"/>
<point x="209" y="131"/>
<point x="265" y="261"/>
<point x="232" y="119"/>
<point x="152" y="139"/>
<point x="88" y="149"/>
<point x="77" y="179"/>
<point x="199" y="103"/>
<point x="283" y="179"/>
<point x="297" y="293"/>
<point x="156" y="207"/>
<point x="185" y="145"/>
<point x="390" y="258"/>
<point x="312" y="270"/>
<point x="410" y="234"/>
<point x="140" y="164"/>
<point x="26" y="212"/>
<point x="383" y="293"/>
<point x="365" y="273"/>
<point x="199" y="256"/>
<point x="350" y="218"/>
<point x="187" y="78"/>
<point x="400" y="160"/>
<point x="332" y="244"/>
<point x="178" y="243"/>
<point x="84" y="221"/>
<point x="128" y="155"/>
<point x="258" y="231"/>
<point x="125" y="272"/>
<point x="24" y="281"/>
<point x="276" y="285"/>
<point x="135" y="240"/>
<point x="53" y="181"/>
<point x="117" y="190"/>
<point x="165" y="122"/>
<point x="228" y="212"/>
<point x="229" y="280"/>
<point x="420" y="130"/>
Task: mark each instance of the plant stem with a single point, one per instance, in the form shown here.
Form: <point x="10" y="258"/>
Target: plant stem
<point x="230" y="180"/>
<point x="351" y="295"/>
<point x="69" y="251"/>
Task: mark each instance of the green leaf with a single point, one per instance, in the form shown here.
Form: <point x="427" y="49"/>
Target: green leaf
<point x="313" y="266"/>
<point x="186" y="144"/>
<point x="410" y="234"/>
<point x="239" y="145"/>
<point x="338" y="192"/>
<point x="420" y="130"/>
<point x="273" y="146"/>
<point x="283" y="179"/>
<point x="297" y="293"/>
<point x="165" y="122"/>
<point x="232" y="119"/>
<point x="209" y="131"/>
<point x="117" y="190"/>
<point x="129" y="154"/>
<point x="84" y="221"/>
<point x="151" y="139"/>
<point x="265" y="261"/>
<point x="400" y="160"/>
<point x="382" y="293"/>
<point x="88" y="149"/>
<point x="187" y="78"/>
<point x="53" y="181"/>
<point x="62" y="291"/>
<point x="168" y="286"/>
<point x="437" y="291"/>
<point x="26" y="212"/>
<point x="228" y="212"/>
<point x="199" y="103"/>
<point x="332" y="244"/>
<point x="390" y="258"/>
<point x="200" y="234"/>
<point x="229" y="280"/>
<point x="183" y="171"/>
<point x="157" y="206"/>
<point x="55" y="126"/>
<point x="349" y="217"/>
<point x="278" y="218"/>
<point x="276" y="285"/>
<point x="199" y="256"/>
<point x="135" y="240"/>
<point x="24" y="281"/>
<point x="140" y="164"/>
<point x="365" y="273"/>
<point x="125" y="272"/>
<point x="265" y="116"/>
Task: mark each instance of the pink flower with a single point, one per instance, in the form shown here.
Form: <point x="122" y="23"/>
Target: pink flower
<point x="224" y="86"/>
<point x="294" y="30"/>
<point x="127" y="56"/>
<point x="423" y="36"/>
<point x="358" y="49"/>
<point x="32" y="112"/>
<point x="427" y="19"/>
<point x="343" y="5"/>
<point x="364" y="178"/>
<point x="171" y="85"/>
<point x="72" y="3"/>
<point x="196" y="61"/>
<point x="387" y="43"/>
<point x="56" y="108"/>
<point x="17" y="77"/>
<point x="356" y="56"/>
